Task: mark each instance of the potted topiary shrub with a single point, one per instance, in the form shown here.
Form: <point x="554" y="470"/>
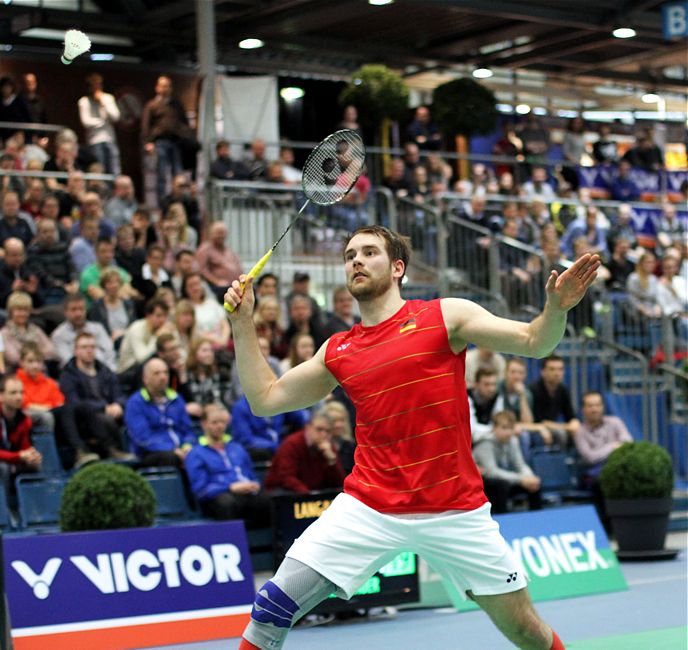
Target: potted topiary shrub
<point x="106" y="496"/>
<point x="637" y="481"/>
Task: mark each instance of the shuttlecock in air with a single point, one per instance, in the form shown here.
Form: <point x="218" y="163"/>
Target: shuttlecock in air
<point x="76" y="43"/>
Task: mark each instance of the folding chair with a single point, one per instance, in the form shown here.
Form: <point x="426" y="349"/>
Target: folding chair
<point x="170" y="494"/>
<point x="45" y="443"/>
<point x="39" y="500"/>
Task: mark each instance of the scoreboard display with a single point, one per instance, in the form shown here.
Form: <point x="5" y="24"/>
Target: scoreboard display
<point x="392" y="584"/>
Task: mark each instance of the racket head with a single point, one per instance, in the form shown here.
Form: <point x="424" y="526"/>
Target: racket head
<point x="333" y="167"/>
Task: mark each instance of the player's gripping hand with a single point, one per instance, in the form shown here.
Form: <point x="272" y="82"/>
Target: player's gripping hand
<point x="240" y="299"/>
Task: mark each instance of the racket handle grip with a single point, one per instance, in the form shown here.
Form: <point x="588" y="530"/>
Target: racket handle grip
<point x="257" y="268"/>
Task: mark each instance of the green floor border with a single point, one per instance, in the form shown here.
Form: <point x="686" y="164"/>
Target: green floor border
<point x="674" y="638"/>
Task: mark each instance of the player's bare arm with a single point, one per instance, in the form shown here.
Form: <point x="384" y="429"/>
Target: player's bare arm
<point x="468" y="322"/>
<point x="302" y="386"/>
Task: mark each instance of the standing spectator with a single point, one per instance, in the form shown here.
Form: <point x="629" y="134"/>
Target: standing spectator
<point x="13" y="108"/>
<point x="423" y="131"/>
<point x="645" y="154"/>
<point x="156" y="418"/>
<point x="642" y="287"/>
<point x="34" y="102"/>
<point x="504" y="470"/>
<point x="19" y="331"/>
<point x="343" y="317"/>
<point x="93" y="404"/>
<point x="64" y="335"/>
<point x="98" y="112"/>
<point x="112" y="311"/>
<point x="552" y="405"/>
<point x="307" y="460"/>
<point x="623" y="187"/>
<point x="119" y="209"/>
<point x="17" y="275"/>
<point x="256" y="163"/>
<point x="14" y="222"/>
<point x="163" y="123"/>
<point x="482" y="358"/>
<point x="184" y="191"/>
<point x="535" y="139"/>
<point x="224" y="167"/>
<point x="17" y="454"/>
<point x="211" y="318"/>
<point x="221" y="474"/>
<point x="217" y="262"/>
<point x="605" y="151"/>
<point x="138" y="343"/>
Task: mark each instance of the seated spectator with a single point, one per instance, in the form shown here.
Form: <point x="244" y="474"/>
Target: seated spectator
<point x="482" y="358"/>
<point x="157" y="421"/>
<point x="138" y="342"/>
<point x="83" y="248"/>
<point x="396" y="179"/>
<point x="623" y="187"/>
<point x="18" y="331"/>
<point x="343" y="317"/>
<point x="301" y="285"/>
<point x="291" y="175"/>
<point x="221" y="474"/>
<point x="211" y="318"/>
<point x="70" y="196"/>
<point x="119" y="209"/>
<point x="42" y="395"/>
<point x="301" y="348"/>
<point x="552" y="405"/>
<point x="605" y="151"/>
<point x="482" y="403"/>
<point x="184" y="264"/>
<point x="597" y="437"/>
<point x="64" y="335"/>
<point x="15" y="223"/>
<point x="307" y="460"/>
<point x="588" y="228"/>
<point x="268" y="284"/>
<point x="645" y="154"/>
<point x="342" y="436"/>
<point x="423" y="131"/>
<point x="439" y="172"/>
<point x="505" y="472"/>
<point x="538" y="187"/>
<point x="256" y="162"/>
<point x="573" y="146"/>
<point x="207" y="381"/>
<point x="508" y="146"/>
<point x="89" y="281"/>
<point x="260" y="436"/>
<point x="183" y="192"/>
<point x="93" y="408"/>
<point x="268" y="320"/>
<point x="642" y="287"/>
<point x="673" y="294"/>
<point x="236" y="390"/>
<point x="623" y="226"/>
<point x="303" y="321"/>
<point x="32" y="199"/>
<point x="184" y="322"/>
<point x="9" y="162"/>
<point x="217" y="262"/>
<point x="17" y="454"/>
<point x="51" y="262"/>
<point x="224" y="167"/>
<point x="17" y="275"/>
<point x="151" y="275"/>
<point x="516" y="396"/>
<point x="670" y="229"/>
<point x="619" y="265"/>
<point x="112" y="311"/>
<point x="422" y="190"/>
<point x="175" y="235"/>
<point x="535" y="139"/>
<point x="127" y="255"/>
<point x="145" y="233"/>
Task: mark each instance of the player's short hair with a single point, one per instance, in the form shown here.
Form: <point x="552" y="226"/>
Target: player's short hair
<point x="504" y="419"/>
<point x="398" y="246"/>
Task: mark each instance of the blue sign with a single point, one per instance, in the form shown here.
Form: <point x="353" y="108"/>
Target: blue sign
<point x="675" y="20"/>
<point x="78" y="577"/>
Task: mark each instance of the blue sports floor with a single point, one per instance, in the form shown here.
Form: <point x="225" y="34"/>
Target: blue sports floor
<point x="651" y="615"/>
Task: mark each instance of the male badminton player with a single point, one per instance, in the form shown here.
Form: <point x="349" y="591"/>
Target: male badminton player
<point x="415" y="486"/>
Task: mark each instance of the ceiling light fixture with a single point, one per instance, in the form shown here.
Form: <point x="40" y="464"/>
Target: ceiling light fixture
<point x="523" y="109"/>
<point x="650" y="98"/>
<point x="624" y="32"/>
<point x="380" y="3"/>
<point x="482" y="73"/>
<point x="251" y="44"/>
<point x="291" y="93"/>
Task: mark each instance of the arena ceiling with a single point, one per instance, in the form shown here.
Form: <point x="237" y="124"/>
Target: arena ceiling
<point x="560" y="40"/>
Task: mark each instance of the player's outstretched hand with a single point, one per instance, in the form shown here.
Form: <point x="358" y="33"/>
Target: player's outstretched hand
<point x="565" y="291"/>
<point x="239" y="299"/>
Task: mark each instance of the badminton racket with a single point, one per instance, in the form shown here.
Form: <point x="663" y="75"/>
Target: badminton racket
<point x="329" y="174"/>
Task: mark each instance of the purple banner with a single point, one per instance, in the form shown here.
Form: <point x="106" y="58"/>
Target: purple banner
<point x="603" y="176"/>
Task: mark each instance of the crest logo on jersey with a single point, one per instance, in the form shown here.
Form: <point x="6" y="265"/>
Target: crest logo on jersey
<point x="410" y="324"/>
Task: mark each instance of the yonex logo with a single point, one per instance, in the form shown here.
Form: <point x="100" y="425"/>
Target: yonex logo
<point x="512" y="577"/>
<point x="343" y="346"/>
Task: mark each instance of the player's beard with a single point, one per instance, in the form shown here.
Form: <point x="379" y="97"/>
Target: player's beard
<point x="370" y="289"/>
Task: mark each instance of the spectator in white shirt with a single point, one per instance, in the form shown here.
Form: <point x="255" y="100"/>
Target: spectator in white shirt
<point x="98" y="112"/>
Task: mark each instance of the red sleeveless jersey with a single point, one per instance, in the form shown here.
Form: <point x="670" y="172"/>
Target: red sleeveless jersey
<point x="412" y="418"/>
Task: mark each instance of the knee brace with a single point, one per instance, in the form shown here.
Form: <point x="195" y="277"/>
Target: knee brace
<point x="273" y="606"/>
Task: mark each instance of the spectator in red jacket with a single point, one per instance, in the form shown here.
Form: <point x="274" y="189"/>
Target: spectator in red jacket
<point x="17" y="454"/>
<point x="307" y="460"/>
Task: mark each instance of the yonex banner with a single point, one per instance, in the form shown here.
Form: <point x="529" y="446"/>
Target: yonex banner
<point x="564" y="551"/>
<point x="128" y="588"/>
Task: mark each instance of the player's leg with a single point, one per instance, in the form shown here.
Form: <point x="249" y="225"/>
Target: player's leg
<point x="292" y="592"/>
<point x="513" y="613"/>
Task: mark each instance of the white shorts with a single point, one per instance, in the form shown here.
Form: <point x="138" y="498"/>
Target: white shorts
<point x="350" y="542"/>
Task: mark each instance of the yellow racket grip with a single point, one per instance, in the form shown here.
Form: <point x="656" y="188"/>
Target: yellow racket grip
<point x="257" y="268"/>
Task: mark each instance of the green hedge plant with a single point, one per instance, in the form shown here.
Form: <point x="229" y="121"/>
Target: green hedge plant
<point x="106" y="496"/>
<point x="637" y="470"/>
<point x="464" y="107"/>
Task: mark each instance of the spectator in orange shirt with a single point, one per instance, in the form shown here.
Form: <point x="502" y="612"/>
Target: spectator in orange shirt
<point x="218" y="263"/>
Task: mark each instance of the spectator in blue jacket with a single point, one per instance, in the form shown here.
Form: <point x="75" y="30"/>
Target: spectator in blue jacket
<point x="623" y="187"/>
<point x="159" y="427"/>
<point x="93" y="408"/>
<point x="261" y="436"/>
<point x="221" y="474"/>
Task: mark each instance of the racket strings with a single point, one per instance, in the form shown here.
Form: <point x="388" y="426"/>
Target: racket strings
<point x="333" y="167"/>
